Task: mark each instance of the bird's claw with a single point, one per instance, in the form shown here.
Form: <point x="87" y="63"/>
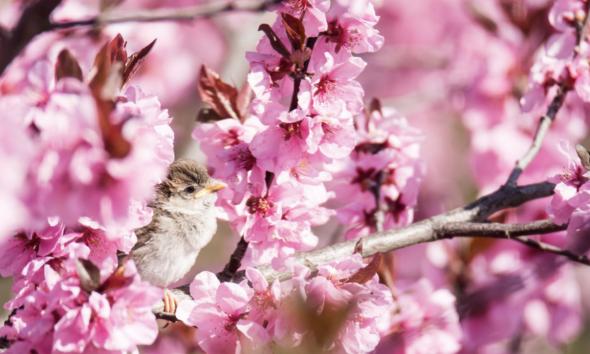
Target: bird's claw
<point x="170" y="302"/>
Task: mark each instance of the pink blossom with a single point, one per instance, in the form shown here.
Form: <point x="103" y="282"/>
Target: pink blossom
<point x="74" y="175"/>
<point x="385" y="157"/>
<point x="351" y="24"/>
<point x="314" y="12"/>
<point x="333" y="87"/>
<point x="572" y="190"/>
<point x="426" y="321"/>
<point x="58" y="315"/>
<point x="220" y="313"/>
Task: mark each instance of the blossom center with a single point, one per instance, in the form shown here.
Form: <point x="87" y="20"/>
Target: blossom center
<point x="243" y="158"/>
<point x="325" y="85"/>
<point x="291" y="129"/>
<point x="259" y="205"/>
<point x="231" y="138"/>
<point x="298" y="5"/>
<point x="575" y="177"/>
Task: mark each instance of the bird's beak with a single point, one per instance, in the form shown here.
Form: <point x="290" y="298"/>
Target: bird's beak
<point x="211" y="188"/>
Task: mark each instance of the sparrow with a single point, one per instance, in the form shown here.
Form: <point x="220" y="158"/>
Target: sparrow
<point x="183" y="222"/>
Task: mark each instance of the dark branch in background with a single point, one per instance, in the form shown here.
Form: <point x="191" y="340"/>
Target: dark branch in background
<point x="235" y="262"/>
<point x="173" y="14"/>
<point x="36" y="20"/>
<point x="549" y="248"/>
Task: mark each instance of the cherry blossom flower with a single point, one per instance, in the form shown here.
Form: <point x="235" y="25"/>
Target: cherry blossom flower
<point x="220" y="312"/>
<point x="426" y="321"/>
<point x="75" y="175"/>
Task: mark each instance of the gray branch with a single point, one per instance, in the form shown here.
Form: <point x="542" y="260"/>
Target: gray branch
<point x="432" y="229"/>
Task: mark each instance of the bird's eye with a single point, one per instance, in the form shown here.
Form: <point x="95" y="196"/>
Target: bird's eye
<point x="189" y="189"/>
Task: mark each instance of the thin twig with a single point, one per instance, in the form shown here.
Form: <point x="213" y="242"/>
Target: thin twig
<point x="379" y="213"/>
<point x="549" y="248"/>
<point x="167" y="316"/>
<point x="542" y="129"/>
<point x="298" y="78"/>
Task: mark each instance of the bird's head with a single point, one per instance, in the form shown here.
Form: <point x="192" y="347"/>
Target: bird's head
<point x="188" y="188"/>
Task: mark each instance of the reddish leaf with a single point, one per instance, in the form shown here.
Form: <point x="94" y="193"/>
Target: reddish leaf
<point x="275" y="41"/>
<point x="135" y="60"/>
<point x="245" y="97"/>
<point x="105" y="84"/>
<point x="295" y="31"/>
<point x="117" y="49"/>
<point x="222" y="97"/>
<point x="112" y="134"/>
<point x="104" y="63"/>
<point x="365" y="274"/>
<point x="67" y="66"/>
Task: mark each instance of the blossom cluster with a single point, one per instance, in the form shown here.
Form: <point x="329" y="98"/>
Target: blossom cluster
<point x="571" y="201"/>
<point x="382" y="177"/>
<point x="305" y="139"/>
<point x="474" y="64"/>
<point x="87" y="151"/>
<point x="296" y="146"/>
<point x="72" y="297"/>
<point x="303" y="124"/>
<point x="564" y="60"/>
<point x="343" y="308"/>
<point x="79" y="160"/>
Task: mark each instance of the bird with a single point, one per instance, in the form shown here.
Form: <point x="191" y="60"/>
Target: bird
<point x="183" y="222"/>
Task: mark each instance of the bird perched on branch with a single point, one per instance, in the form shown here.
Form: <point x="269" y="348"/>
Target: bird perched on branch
<point x="183" y="222"/>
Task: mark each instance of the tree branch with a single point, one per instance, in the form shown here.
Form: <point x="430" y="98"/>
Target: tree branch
<point x="424" y="231"/>
<point x="497" y="230"/>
